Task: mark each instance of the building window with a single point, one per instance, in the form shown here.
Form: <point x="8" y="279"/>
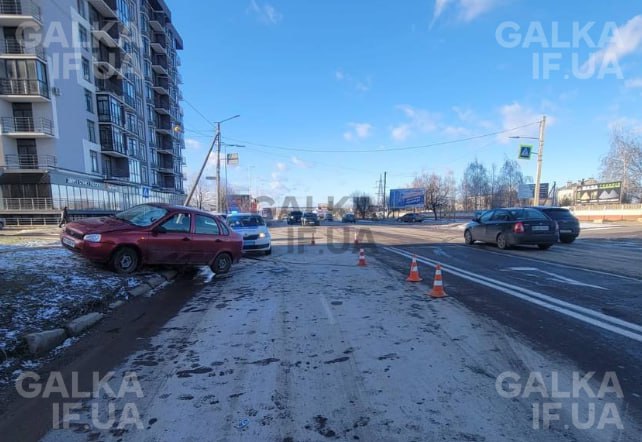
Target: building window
<point x="86" y="73"/>
<point x="83" y="37"/>
<point x="91" y="131"/>
<point x="89" y="101"/>
<point x="82" y="10"/>
<point x="94" y="161"/>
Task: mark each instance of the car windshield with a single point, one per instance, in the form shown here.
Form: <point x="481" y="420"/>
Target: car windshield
<point x="143" y="215"/>
<point x="240" y="221"/>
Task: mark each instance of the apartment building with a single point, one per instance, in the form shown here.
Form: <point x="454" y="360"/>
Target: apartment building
<point x="89" y="107"/>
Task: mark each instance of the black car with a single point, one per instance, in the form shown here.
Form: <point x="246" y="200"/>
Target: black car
<point x="295" y="217"/>
<point x="514" y="226"/>
<point x="411" y="218"/>
<point x="569" y="226"/>
<point x="348" y="218"/>
<point x="310" y="219"/>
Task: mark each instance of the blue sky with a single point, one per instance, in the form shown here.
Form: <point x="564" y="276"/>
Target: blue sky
<point x="334" y="93"/>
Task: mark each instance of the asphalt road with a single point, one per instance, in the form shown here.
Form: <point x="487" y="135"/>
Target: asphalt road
<point x="305" y="345"/>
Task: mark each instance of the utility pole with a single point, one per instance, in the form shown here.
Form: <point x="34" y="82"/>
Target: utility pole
<point x="385" y="212"/>
<point x="200" y="173"/>
<point x="540" y="153"/>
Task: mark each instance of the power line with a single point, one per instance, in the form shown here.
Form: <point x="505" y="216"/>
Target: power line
<point x="390" y="149"/>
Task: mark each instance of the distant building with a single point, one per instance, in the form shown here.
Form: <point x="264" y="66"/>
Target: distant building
<point x="89" y="105"/>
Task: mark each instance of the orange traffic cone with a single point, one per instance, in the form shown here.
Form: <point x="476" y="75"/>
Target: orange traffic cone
<point x="414" y="272"/>
<point x="362" y="258"/>
<point x="356" y="238"/>
<point x="312" y="242"/>
<point x="438" y="286"/>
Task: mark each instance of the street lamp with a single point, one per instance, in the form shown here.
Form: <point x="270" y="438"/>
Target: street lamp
<point x="217" y="142"/>
<point x="540" y="153"/>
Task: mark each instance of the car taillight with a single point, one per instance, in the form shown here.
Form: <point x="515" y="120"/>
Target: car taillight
<point x="518" y="228"/>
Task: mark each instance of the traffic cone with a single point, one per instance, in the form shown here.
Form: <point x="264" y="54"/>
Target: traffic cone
<point x="356" y="238"/>
<point x="312" y="242"/>
<point x="414" y="272"/>
<point x="362" y="258"/>
<point x="438" y="286"/>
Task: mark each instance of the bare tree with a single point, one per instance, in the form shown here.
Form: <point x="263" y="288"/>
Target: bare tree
<point x="623" y="163"/>
<point x="438" y="190"/>
<point x="510" y="178"/>
<point x="475" y="184"/>
<point x="361" y="203"/>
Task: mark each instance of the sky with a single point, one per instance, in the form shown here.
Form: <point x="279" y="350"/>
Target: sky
<point x="331" y="94"/>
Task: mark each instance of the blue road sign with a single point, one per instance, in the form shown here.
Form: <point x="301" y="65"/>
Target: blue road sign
<point x="525" y="151"/>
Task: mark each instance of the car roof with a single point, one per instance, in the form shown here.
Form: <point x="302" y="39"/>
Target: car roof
<point x="174" y="207"/>
<point x="243" y="214"/>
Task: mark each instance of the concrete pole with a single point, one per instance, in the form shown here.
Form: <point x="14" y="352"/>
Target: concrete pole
<point x="540" y="153"/>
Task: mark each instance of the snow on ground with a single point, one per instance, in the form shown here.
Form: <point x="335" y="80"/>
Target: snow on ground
<point x="42" y="286"/>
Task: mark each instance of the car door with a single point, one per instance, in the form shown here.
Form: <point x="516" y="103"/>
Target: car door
<point x="171" y="242"/>
<point x="479" y="230"/>
<point x="208" y="238"/>
<point x="496" y="224"/>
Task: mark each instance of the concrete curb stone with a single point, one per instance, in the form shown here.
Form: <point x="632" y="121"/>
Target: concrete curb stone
<point x="79" y="325"/>
<point x="45" y="341"/>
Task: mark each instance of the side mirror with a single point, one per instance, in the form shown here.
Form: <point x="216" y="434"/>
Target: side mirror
<point x="159" y="229"/>
<point x="476" y="219"/>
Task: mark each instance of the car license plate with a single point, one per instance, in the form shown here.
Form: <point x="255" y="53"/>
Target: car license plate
<point x="566" y="231"/>
<point x="248" y="242"/>
<point x="540" y="228"/>
<point x="69" y="242"/>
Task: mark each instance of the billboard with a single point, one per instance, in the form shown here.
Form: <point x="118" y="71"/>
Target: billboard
<point x="407" y="199"/>
<point x="600" y="193"/>
<point x="527" y="191"/>
<point x="239" y="203"/>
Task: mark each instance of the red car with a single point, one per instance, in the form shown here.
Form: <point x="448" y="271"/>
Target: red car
<point x="155" y="234"/>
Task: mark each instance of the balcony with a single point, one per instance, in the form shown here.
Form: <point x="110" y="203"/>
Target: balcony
<point x="24" y="91"/>
<point x="108" y="63"/>
<point x="158" y="21"/>
<point x="161" y="85"/>
<point x="159" y="42"/>
<point x="165" y="146"/>
<point x="161" y="105"/>
<point x="29" y="162"/>
<point x="118" y="174"/>
<point x="106" y="8"/>
<point x="159" y="65"/>
<point x="27" y="127"/>
<point x="16" y="13"/>
<point x="113" y="86"/>
<point x="165" y="166"/>
<point x="15" y="49"/>
<point x="107" y="31"/>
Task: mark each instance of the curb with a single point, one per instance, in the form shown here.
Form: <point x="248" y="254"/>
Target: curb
<point x="43" y="342"/>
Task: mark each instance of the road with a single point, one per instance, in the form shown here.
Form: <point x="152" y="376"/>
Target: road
<point x="304" y="345"/>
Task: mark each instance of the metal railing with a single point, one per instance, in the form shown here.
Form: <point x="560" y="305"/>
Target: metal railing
<point x="11" y="125"/>
<point x="24" y="87"/>
<point x="16" y="47"/>
<point x="21" y="8"/>
<point x="30" y="161"/>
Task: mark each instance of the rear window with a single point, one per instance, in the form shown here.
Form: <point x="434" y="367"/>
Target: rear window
<point x="559" y="213"/>
<point x="523" y="214"/>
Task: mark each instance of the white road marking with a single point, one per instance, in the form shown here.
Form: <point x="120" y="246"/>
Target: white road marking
<point x="592" y="317"/>
<point x="554" y="276"/>
<point x="328" y="311"/>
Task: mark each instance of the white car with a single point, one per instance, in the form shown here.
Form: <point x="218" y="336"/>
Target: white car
<point x="253" y="228"/>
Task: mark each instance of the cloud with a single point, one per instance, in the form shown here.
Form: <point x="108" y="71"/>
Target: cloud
<point x="625" y="40"/>
<point x="281" y="167"/>
<point x="419" y="121"/>
<point x="192" y="143"/>
<point x="266" y="13"/>
<point x="466" y="10"/>
<point x="358" y="130"/>
<point x="633" y="83"/>
<point x="515" y="115"/>
<point x="299" y="163"/>
<point x="632" y="124"/>
<point x="465" y="115"/>
<point x="358" y="84"/>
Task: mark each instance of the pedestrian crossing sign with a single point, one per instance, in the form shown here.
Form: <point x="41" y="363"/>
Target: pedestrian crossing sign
<point x="525" y="151"/>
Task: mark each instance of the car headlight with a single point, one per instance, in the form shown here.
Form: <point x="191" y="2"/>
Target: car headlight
<point x="94" y="237"/>
<point x="261" y="235"/>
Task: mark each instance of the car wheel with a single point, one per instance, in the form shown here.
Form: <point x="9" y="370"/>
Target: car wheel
<point x="544" y="246"/>
<point x="468" y="238"/>
<point x="567" y="239"/>
<point x="124" y="260"/>
<point x="221" y="264"/>
<point x="268" y="251"/>
<point x="501" y="241"/>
